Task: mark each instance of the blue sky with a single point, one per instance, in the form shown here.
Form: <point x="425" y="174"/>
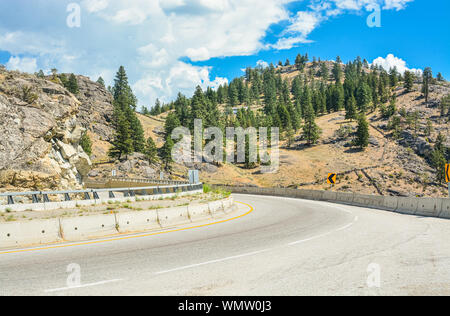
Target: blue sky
<point x="169" y="46"/>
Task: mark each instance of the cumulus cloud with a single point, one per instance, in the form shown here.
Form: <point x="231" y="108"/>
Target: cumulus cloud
<point x="262" y="63"/>
<point x="391" y="61"/>
<point x="396" y="4"/>
<point x="304" y="22"/>
<point x="151" y="38"/>
<point x="25" y="64"/>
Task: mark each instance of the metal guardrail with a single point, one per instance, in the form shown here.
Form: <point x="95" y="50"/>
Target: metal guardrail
<point x="156" y="181"/>
<point x="43" y="196"/>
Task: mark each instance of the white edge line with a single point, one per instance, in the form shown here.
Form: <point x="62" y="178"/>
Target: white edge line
<point x="212" y="261"/>
<point x="82" y="286"/>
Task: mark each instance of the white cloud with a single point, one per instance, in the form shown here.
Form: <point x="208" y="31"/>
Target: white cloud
<point x="262" y="63"/>
<point x="396" y="4"/>
<point x="24" y="64"/>
<point x="150" y="37"/>
<point x="391" y="61"/>
<point x="95" y="5"/>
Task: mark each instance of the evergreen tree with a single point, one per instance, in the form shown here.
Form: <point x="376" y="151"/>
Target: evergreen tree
<point x="311" y="132"/>
<point x="125" y="102"/>
<point x="166" y="153"/>
<point x="409" y="81"/>
<point x="122" y="143"/>
<point x="337" y="72"/>
<point x="440" y="77"/>
<point x="101" y="82"/>
<point x="364" y="97"/>
<point x="350" y="113"/>
<point x="122" y="88"/>
<point x="72" y="84"/>
<point x="438" y="158"/>
<point x="324" y="71"/>
<point x="427" y="77"/>
<point x="40" y="74"/>
<point x="151" y="152"/>
<point x="362" y="132"/>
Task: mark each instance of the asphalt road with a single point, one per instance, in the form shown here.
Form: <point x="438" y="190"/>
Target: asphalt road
<point x="278" y="246"/>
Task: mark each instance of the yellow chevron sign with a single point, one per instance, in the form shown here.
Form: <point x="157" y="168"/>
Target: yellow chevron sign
<point x="447" y="173"/>
<point x="331" y="178"/>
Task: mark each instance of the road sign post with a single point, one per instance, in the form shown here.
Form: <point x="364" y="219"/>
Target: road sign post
<point x="447" y="177"/>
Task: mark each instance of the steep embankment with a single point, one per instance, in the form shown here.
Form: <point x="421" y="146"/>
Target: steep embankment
<point x="41" y="124"/>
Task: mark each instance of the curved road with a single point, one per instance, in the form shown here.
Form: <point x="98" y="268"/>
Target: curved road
<point x="279" y="246"/>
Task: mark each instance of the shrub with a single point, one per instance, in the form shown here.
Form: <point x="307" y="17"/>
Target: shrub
<point x="206" y="188"/>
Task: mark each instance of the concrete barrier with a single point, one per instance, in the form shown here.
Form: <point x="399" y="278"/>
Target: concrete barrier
<point x="17" y="234"/>
<point x="199" y="212"/>
<point x="173" y="216"/>
<point x="79" y="228"/>
<point x="429" y="207"/>
<point x="390" y="203"/>
<point x="345" y="198"/>
<point x="329" y="196"/>
<point x="137" y="221"/>
<point x="445" y="209"/>
<point x="407" y="205"/>
<point x="216" y="208"/>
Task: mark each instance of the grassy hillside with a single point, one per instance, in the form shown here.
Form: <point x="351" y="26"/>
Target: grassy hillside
<point x="391" y="165"/>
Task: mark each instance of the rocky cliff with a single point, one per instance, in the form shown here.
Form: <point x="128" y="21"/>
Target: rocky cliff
<point x="41" y="124"/>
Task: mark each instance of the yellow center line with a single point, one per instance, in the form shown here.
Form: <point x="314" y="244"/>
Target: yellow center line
<point x="130" y="237"/>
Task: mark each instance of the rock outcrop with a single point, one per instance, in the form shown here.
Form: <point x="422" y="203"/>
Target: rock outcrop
<point x="41" y="125"/>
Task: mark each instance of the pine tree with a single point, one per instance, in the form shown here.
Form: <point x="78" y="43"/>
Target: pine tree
<point x="350" y="113"/>
<point x="101" y="82"/>
<point x="72" y="84"/>
<point x="409" y="81"/>
<point x="337" y="72"/>
<point x="438" y="157"/>
<point x="40" y="74"/>
<point x="125" y="101"/>
<point x="362" y="132"/>
<point x="427" y="77"/>
<point x="364" y="97"/>
<point x="311" y="132"/>
<point x="171" y="123"/>
<point x="151" y="152"/>
<point x="122" y="143"/>
<point x="166" y="153"/>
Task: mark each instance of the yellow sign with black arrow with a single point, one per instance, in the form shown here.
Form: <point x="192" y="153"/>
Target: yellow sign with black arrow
<point x="447" y="173"/>
<point x="331" y="178"/>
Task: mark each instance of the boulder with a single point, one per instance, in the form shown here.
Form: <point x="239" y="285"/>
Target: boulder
<point x="67" y="151"/>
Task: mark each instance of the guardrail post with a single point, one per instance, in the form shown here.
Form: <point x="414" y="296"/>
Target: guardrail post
<point x="126" y="194"/>
<point x="45" y="197"/>
<point x="35" y="199"/>
<point x="10" y="200"/>
<point x="132" y="193"/>
<point x="87" y="196"/>
<point x="96" y="197"/>
<point x="111" y="195"/>
<point x="66" y="197"/>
